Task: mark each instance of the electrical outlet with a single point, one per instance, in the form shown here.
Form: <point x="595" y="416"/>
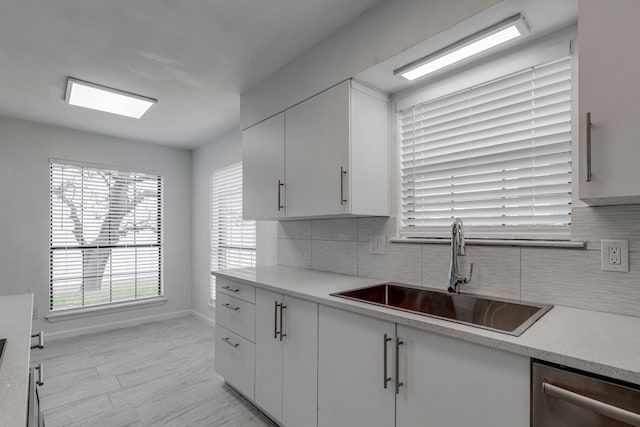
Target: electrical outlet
<point x="615" y="255"/>
<point x="377" y="244"/>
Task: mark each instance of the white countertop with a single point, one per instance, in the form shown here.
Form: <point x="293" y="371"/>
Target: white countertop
<point x="602" y="343"/>
<point x="15" y="326"/>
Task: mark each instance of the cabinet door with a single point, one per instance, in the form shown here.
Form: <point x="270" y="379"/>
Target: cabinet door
<point x="449" y="382"/>
<point x="300" y="363"/>
<point x="263" y="170"/>
<point x="609" y="90"/>
<point x="268" y="393"/>
<point x="317" y="146"/>
<point x="351" y="370"/>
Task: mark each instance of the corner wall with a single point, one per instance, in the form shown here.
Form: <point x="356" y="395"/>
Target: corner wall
<point x="25" y="149"/>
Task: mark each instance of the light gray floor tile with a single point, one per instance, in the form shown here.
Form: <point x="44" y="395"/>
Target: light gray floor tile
<point x="150" y="375"/>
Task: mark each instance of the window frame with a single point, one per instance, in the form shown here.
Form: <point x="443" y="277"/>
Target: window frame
<point x="126" y="302"/>
<point x="451" y="82"/>
<point x="235" y="168"/>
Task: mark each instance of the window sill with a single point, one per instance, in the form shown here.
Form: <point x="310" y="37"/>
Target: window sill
<point x="98" y="310"/>
<point x="500" y="242"/>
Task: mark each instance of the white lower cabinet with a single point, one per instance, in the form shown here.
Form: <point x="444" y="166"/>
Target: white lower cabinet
<point x="235" y="360"/>
<point x="351" y="370"/>
<point x="450" y="382"/>
<point x="286" y="358"/>
<point x="430" y="380"/>
<point x="235" y="332"/>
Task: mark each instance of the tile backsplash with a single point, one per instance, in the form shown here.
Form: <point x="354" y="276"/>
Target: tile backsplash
<point x="570" y="277"/>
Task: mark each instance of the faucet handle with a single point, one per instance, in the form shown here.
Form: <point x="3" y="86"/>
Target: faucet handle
<point x="467" y="279"/>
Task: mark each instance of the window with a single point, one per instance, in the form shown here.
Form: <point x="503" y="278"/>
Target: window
<point x="497" y="155"/>
<point x="105" y="235"/>
<point x="233" y="240"/>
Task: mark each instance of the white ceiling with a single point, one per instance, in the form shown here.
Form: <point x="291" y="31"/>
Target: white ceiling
<point x="194" y="56"/>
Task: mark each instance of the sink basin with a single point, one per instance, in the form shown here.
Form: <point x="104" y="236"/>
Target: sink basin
<point x="501" y="315"/>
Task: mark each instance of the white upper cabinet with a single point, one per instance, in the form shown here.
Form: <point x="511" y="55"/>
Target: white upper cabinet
<point x="317" y="154"/>
<point x="263" y="169"/>
<point x="330" y="153"/>
<point x="609" y="92"/>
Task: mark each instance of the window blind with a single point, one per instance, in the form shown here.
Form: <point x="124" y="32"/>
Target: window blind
<point x="105" y="235"/>
<point x="233" y="240"/>
<point x="497" y="155"/>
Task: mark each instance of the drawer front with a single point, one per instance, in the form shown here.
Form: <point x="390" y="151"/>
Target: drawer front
<point x="237" y="316"/>
<point x="236" y="289"/>
<point x="235" y="360"/>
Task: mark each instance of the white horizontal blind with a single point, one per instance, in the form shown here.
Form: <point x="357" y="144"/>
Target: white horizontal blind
<point x="233" y="240"/>
<point x="496" y="155"/>
<point x="105" y="235"/>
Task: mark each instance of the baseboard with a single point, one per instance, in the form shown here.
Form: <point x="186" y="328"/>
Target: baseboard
<point x="69" y="333"/>
<point x="205" y="319"/>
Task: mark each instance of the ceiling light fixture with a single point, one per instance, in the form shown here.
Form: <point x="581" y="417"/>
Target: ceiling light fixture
<point x="96" y="97"/>
<point x="498" y="34"/>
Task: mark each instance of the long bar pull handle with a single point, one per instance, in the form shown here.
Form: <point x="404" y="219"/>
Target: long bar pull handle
<point x="228" y="341"/>
<point x="230" y="307"/>
<point x="398" y="383"/>
<point x="229" y="288"/>
<point x="384" y="369"/>
<point x="280" y="185"/>
<point x="342" y="174"/>
<point x="282" y="334"/>
<point x="588" y="137"/>
<point x="594" y="405"/>
<point x="40" y="369"/>
<point x="40" y="337"/>
<point x="275" y="320"/>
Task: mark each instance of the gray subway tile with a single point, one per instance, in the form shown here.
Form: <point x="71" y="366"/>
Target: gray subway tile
<point x="294" y="252"/>
<point x="335" y="256"/>
<point x="334" y="229"/>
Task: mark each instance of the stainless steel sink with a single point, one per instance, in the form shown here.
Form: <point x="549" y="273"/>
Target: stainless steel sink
<point x="501" y="315"/>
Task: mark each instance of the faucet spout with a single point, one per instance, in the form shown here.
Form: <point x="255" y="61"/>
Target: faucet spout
<point x="457" y="249"/>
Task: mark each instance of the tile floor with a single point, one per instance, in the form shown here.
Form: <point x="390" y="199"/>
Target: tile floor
<point x="158" y="374"/>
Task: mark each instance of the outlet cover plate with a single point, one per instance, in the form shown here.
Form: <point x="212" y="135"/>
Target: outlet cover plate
<point x="614" y="250"/>
<point x="377" y="244"/>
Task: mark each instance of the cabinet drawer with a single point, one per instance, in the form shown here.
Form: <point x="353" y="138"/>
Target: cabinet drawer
<point x="236" y="289"/>
<point x="237" y="316"/>
<point x="235" y="360"/>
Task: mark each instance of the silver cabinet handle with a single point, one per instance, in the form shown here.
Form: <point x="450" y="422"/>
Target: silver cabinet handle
<point x="384" y="369"/>
<point x="342" y="174"/>
<point x="40" y="369"/>
<point x="40" y="337"/>
<point x="228" y="341"/>
<point x="229" y="288"/>
<point x="230" y="307"/>
<point x="275" y="320"/>
<point x="594" y="405"/>
<point x="588" y="137"/>
<point x="280" y="185"/>
<point x="398" y="383"/>
<point x="282" y="334"/>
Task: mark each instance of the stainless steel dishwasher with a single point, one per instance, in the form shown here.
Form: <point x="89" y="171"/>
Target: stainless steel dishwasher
<point x="566" y="397"/>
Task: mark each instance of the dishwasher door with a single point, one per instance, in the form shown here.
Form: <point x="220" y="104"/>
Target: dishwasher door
<point x="562" y="397"/>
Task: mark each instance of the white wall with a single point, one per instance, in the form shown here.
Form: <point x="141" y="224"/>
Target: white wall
<point x="25" y="149"/>
<point x="385" y="30"/>
<point x="220" y="153"/>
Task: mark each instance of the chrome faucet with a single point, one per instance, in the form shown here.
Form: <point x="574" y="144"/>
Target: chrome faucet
<point x="457" y="249"/>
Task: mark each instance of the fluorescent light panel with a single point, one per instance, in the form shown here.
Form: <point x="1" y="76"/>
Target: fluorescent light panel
<point x="479" y="42"/>
<point x="96" y="97"/>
